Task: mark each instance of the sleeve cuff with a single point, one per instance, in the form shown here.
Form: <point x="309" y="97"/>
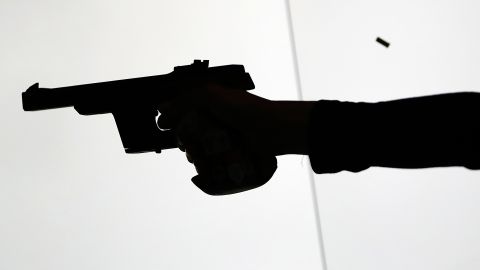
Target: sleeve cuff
<point x="336" y="137"/>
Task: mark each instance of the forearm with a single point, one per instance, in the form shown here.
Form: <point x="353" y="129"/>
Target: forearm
<point x="432" y="131"/>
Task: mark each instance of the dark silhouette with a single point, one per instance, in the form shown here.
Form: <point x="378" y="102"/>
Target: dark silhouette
<point x="383" y="42"/>
<point x="232" y="137"/>
<point x="134" y="104"/>
<point x="431" y="131"/>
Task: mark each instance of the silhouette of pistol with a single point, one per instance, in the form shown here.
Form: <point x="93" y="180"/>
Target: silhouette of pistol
<point x="134" y="102"/>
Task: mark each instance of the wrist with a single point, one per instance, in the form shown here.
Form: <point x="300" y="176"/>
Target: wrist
<point x="290" y="122"/>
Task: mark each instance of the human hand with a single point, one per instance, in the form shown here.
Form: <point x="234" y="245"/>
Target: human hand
<point x="257" y="128"/>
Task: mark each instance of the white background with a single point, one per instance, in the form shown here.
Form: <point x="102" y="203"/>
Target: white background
<point x="390" y="218"/>
<point x="70" y="198"/>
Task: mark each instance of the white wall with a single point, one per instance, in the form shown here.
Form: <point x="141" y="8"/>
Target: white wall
<point x="70" y="198"/>
<point x="390" y="218"/>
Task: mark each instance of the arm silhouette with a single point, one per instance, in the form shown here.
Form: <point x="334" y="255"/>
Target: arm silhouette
<point x="420" y="132"/>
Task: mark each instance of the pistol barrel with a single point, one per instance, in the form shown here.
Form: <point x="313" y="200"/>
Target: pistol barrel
<point x="36" y="98"/>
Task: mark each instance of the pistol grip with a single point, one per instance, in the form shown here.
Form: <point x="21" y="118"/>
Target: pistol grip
<point x="226" y="162"/>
